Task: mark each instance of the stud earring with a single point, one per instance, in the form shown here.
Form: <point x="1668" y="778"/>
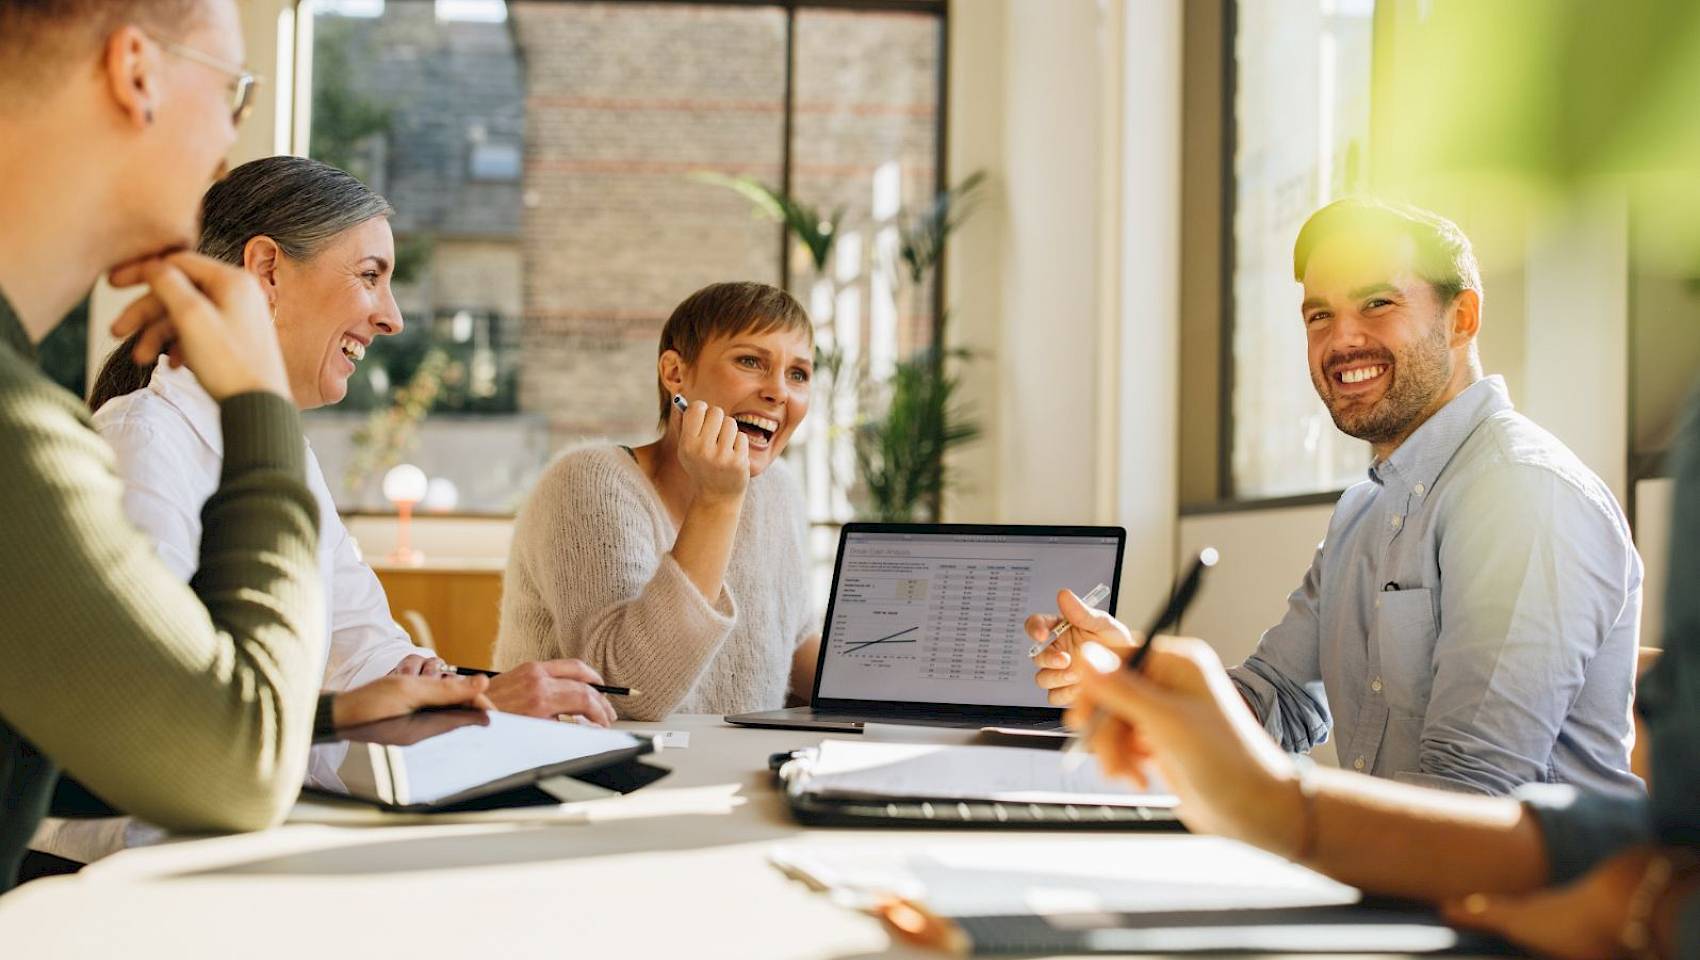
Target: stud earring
<point x="148" y="115"/>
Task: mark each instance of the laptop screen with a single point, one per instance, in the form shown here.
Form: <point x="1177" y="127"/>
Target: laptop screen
<point x="937" y="617"/>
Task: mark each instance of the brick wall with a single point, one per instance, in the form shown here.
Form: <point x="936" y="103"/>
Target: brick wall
<point x="618" y="105"/>
<point x="624" y="103"/>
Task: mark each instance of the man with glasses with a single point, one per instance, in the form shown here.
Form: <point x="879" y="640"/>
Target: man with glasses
<point x="190" y="706"/>
<point x="242" y="82"/>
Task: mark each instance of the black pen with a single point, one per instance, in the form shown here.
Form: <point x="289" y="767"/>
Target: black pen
<point x="609" y="689"/>
<point x="1166" y="619"/>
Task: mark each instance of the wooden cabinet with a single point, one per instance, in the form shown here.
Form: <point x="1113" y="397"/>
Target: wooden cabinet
<point x="459" y="602"/>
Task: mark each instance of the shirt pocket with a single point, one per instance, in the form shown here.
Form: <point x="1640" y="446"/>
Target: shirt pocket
<point x="1405" y="632"/>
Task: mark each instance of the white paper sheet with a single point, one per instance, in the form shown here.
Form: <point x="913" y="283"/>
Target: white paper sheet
<point x="920" y="771"/>
<point x="1005" y="874"/>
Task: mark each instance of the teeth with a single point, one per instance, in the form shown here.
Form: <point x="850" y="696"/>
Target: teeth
<point x="1362" y="374"/>
<point x="771" y="426"/>
<point x="353" y="349"/>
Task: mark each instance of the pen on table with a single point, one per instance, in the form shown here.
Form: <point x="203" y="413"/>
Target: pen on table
<point x="609" y="689"/>
<point x="1098" y="595"/>
<point x="1170" y="615"/>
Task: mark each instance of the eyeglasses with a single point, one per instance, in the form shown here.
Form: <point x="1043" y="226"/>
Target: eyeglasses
<point x="241" y="91"/>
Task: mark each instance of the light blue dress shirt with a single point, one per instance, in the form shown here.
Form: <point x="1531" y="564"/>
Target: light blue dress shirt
<point x="1471" y="620"/>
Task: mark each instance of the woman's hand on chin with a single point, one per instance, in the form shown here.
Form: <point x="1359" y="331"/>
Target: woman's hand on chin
<point x="713" y="453"/>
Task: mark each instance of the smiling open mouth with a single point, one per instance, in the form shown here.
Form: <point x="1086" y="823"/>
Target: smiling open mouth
<point x="759" y="429"/>
<point x="1361" y="374"/>
<point x="353" y="349"/>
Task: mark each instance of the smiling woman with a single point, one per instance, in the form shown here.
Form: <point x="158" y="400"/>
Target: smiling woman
<point x="679" y="567"/>
<point x="290" y="219"/>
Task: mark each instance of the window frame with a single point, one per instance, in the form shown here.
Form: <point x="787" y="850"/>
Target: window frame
<point x="939" y="10"/>
<point x="1226" y="498"/>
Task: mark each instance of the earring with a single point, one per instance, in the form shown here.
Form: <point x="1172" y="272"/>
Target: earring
<point x="148" y="115"/>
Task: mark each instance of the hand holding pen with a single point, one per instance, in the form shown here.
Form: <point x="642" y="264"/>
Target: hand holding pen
<point x="1091" y="601"/>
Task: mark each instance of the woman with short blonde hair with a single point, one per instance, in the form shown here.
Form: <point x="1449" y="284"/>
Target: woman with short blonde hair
<point x="679" y="568"/>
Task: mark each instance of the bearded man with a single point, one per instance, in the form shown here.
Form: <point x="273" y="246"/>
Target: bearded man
<point x="1470" y="622"/>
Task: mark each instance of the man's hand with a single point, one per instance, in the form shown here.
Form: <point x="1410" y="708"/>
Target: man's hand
<point x="1060" y="665"/>
<point x="548" y="688"/>
<point x="206" y="314"/>
<point x="1582" y="920"/>
<point x="1182" y="714"/>
<point x="394" y="696"/>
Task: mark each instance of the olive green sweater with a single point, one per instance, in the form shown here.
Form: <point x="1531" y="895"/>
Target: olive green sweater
<point x="189" y="706"/>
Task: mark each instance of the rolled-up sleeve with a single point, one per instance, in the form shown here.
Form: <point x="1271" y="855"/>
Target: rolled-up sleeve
<point x="1527" y="600"/>
<point x="1583" y="829"/>
<point x="1282" y="679"/>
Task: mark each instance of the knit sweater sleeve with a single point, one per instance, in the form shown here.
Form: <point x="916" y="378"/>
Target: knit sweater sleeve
<point x="606" y="589"/>
<point x="189" y="706"/>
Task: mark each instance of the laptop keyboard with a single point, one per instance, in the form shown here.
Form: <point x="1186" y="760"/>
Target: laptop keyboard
<point x="980" y="814"/>
<point x="955" y="718"/>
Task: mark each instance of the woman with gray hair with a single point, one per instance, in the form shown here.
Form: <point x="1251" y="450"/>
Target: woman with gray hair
<point x="319" y="243"/>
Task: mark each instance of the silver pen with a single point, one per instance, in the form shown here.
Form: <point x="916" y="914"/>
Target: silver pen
<point x="1098" y="595"/>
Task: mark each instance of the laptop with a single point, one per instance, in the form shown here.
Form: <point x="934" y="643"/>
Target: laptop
<point x="925" y="625"/>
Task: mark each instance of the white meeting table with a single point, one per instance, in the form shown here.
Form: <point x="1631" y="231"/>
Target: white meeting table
<point x="678" y="868"/>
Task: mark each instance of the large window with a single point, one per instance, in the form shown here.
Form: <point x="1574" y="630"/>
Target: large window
<point x="1301" y="107"/>
<point x="564" y="173"/>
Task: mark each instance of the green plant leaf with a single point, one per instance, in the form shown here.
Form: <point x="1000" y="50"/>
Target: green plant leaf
<point x="817" y="232"/>
<point x="922" y="236"/>
<point x="900" y="454"/>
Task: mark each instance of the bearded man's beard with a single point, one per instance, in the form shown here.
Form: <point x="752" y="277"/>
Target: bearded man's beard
<point x="1419" y="375"/>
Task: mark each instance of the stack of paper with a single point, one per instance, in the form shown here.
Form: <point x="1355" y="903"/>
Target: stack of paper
<point x="1014" y="875"/>
<point x="919" y="771"/>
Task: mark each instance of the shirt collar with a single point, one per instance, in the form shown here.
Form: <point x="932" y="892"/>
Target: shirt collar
<point x="178" y="387"/>
<point x="12" y="331"/>
<point x="1429" y="448"/>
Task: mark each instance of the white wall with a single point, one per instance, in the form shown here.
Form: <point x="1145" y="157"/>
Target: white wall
<point x="1652" y="538"/>
<point x="1067" y="287"/>
<point x="1026" y="88"/>
<point x="1577" y="333"/>
<point x="1264" y="556"/>
<point x="1143" y="382"/>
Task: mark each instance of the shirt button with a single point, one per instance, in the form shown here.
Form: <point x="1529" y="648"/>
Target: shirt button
<point x="1358" y="764"/>
<point x="1378" y="603"/>
<point x="1395" y="521"/>
<point x="1375" y="684"/>
<point x="1419" y="489"/>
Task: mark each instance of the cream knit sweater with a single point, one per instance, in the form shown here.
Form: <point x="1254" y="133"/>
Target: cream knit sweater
<point x="590" y="576"/>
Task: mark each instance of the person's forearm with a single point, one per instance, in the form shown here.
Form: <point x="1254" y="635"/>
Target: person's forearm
<point x="230" y="672"/>
<point x="704" y="545"/>
<point x="1405" y="841"/>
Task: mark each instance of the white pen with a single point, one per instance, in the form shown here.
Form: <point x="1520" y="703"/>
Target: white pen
<point x="1099" y="594"/>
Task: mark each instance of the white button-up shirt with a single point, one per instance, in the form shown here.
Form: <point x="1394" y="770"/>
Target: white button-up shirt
<point x="170" y="451"/>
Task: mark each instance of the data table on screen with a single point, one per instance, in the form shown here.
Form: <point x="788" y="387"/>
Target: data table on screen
<point x="940" y="619"/>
